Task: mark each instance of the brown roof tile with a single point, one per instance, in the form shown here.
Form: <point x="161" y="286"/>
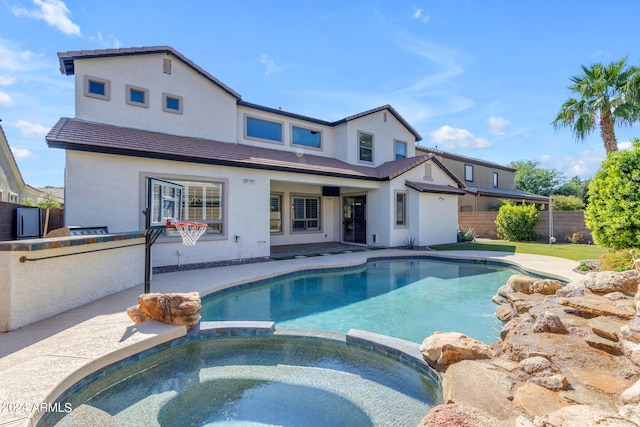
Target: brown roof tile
<point x="75" y="134"/>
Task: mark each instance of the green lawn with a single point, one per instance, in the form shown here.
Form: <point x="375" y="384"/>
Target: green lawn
<point x="569" y="251"/>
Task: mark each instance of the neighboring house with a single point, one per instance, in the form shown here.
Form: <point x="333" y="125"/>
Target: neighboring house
<point x="56" y="194"/>
<point x="258" y="176"/>
<point x="12" y="187"/>
<point x="486" y="183"/>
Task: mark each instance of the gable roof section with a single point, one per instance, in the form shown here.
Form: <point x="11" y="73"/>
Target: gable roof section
<point x="461" y="158"/>
<point x="506" y="193"/>
<point x="424" y="187"/>
<point x="81" y="135"/>
<point x="67" y="59"/>
<point x="67" y="67"/>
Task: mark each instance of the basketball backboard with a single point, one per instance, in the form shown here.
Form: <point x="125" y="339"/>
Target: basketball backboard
<point x="164" y="202"/>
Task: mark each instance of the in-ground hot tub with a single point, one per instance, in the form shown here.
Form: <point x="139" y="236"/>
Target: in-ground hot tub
<point x="285" y="378"/>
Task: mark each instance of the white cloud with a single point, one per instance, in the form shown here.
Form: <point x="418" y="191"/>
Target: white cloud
<point x="5" y="99"/>
<point x="418" y="14"/>
<point x="452" y="138"/>
<point x="6" y="81"/>
<point x="53" y="12"/>
<point x="583" y="164"/>
<point x="270" y="65"/>
<point x="498" y="125"/>
<point x="31" y="130"/>
<point x="109" y="43"/>
<point x="625" y="145"/>
<point x="545" y="158"/>
<point x="20" y="153"/>
<point x="12" y="59"/>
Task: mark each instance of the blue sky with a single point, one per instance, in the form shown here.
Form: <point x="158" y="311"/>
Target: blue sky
<point x="481" y="78"/>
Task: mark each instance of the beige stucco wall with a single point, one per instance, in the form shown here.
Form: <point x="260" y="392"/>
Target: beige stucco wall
<point x="208" y="111"/>
<point x="61" y="278"/>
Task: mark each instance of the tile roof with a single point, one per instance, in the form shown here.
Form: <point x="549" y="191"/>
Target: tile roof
<point x="502" y="192"/>
<point x="462" y="158"/>
<point x="75" y="134"/>
<point x="433" y="188"/>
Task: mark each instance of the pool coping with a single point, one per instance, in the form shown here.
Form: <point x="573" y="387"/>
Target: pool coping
<point x="39" y="362"/>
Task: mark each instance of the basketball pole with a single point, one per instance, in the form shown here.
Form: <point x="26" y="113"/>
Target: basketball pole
<point x="150" y="237"/>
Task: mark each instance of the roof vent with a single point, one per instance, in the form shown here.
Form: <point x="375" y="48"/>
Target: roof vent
<point x="166" y="66"/>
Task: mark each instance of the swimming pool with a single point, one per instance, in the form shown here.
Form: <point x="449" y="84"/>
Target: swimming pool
<point x="408" y="299"/>
<point x="274" y="380"/>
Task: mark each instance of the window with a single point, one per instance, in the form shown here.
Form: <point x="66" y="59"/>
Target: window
<point x="263" y="129"/>
<point x="401" y="150"/>
<point x="365" y="142"/>
<point x="468" y="172"/>
<point x="203" y="202"/>
<point x="495" y="179"/>
<point x="171" y="103"/>
<point x="305" y="137"/>
<point x="13" y="198"/>
<point x="137" y="96"/>
<point x="97" y="88"/>
<point x="275" y="220"/>
<point x="401" y="208"/>
<point x="306" y="213"/>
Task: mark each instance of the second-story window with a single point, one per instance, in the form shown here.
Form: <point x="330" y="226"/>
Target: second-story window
<point x="171" y="103"/>
<point x="137" y="96"/>
<point x="305" y="137"/>
<point x="365" y="143"/>
<point x="401" y="150"/>
<point x="97" y="88"/>
<point x="495" y="179"/>
<point x="263" y="129"/>
<point x="468" y="172"/>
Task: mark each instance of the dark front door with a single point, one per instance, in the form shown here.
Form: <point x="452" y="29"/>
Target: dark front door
<point x="354" y="219"/>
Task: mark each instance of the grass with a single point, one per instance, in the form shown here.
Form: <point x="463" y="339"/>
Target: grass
<point x="568" y="251"/>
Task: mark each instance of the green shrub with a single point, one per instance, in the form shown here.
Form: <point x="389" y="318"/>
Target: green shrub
<point x="516" y="222"/>
<point x="621" y="260"/>
<point x="612" y="214"/>
<point x="575" y="237"/>
<point x="468" y="235"/>
<point x="567" y="203"/>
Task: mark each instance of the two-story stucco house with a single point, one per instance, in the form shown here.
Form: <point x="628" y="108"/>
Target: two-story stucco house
<point x="258" y="176"/>
<point x="13" y="189"/>
<point x="486" y="183"/>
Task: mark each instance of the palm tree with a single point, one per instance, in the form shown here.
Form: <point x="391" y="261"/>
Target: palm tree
<point x="608" y="95"/>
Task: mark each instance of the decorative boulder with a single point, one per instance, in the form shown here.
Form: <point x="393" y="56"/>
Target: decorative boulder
<point x="445" y="348"/>
<point x="549" y="322"/>
<point x="606" y="282"/>
<point x="136" y="314"/>
<point x="458" y="415"/>
<point x="172" y="309"/>
<point x="521" y="283"/>
<point x="546" y="286"/>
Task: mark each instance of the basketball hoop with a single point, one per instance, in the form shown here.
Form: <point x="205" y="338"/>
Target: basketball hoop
<point x="190" y="231"/>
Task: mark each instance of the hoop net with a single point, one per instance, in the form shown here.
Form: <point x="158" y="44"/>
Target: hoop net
<point x="190" y="231"/>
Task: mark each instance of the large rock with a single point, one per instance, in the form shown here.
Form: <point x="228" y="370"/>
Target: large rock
<point x="445" y="348"/>
<point x="459" y="416"/>
<point x="546" y="287"/>
<point x="172" y="309"/>
<point x="521" y="283"/>
<point x="605" y="282"/>
<point x="593" y="306"/>
<point x="549" y="322"/>
<point x="480" y="385"/>
<point x="584" y="416"/>
<point x="536" y="401"/>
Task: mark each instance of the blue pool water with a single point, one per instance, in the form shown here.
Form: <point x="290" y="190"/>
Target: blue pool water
<point x="254" y="381"/>
<point x="407" y="299"/>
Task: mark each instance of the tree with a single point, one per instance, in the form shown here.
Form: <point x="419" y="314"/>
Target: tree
<point x="532" y="178"/>
<point x="574" y="187"/>
<point x="567" y="203"/>
<point x="607" y="95"/>
<point x="612" y="214"/>
<point x="517" y="222"/>
<point x="49" y="201"/>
